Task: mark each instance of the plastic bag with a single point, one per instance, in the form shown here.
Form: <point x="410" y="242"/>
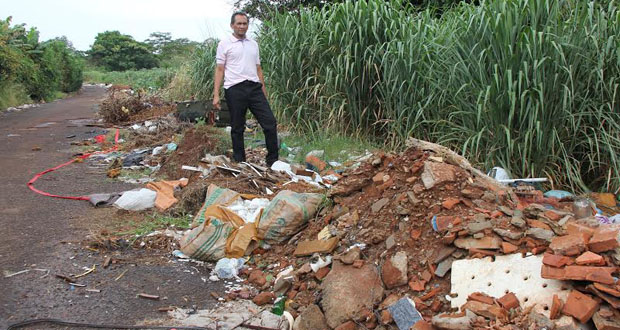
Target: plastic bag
<point x="136" y="200"/>
<point x="229" y="268"/>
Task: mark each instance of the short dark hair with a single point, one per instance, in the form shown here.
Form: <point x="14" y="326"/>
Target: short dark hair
<point x="232" y="18"/>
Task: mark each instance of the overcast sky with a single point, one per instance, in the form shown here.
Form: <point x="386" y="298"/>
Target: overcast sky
<point x="81" y="20"/>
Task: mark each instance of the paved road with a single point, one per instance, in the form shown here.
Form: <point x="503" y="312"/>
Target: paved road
<point x="47" y="233"/>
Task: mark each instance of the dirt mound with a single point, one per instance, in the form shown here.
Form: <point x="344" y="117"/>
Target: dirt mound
<point x="195" y="144"/>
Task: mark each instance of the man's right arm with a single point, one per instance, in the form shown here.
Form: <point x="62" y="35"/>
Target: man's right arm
<point x="217" y="82"/>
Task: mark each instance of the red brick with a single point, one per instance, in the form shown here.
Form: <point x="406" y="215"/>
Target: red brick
<point x="422" y="325"/>
<point x="450" y="202"/>
<point x="590" y="258"/>
<point x="449" y="238"/>
<point x="600" y="276"/>
<point x="553" y="273"/>
<point x="575" y="228"/>
<point x="415" y="233"/>
<point x="321" y="273"/>
<point x="508" y="248"/>
<point x="538" y="224"/>
<point x="569" y="245"/>
<point x="549" y="214"/>
<point x="417" y="285"/>
<point x="349" y="325"/>
<point x="481" y="297"/>
<point x="358" y="263"/>
<point x="430" y="294"/>
<point x="509" y="301"/>
<point x="436" y="305"/>
<point x="607" y="289"/>
<point x="580" y="306"/>
<point x="316" y="162"/>
<point x="603" y="240"/>
<point x="443" y="222"/>
<point x="386" y="317"/>
<point x="556" y="260"/>
<point x="580" y="273"/>
<point x="378" y="178"/>
<point x="496" y="214"/>
<point x="556" y="307"/>
<point x="263" y="298"/>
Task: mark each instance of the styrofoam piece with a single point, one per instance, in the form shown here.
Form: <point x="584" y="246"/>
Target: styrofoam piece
<point x="514" y="273"/>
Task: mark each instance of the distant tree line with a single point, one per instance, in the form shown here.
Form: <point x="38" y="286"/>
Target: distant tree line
<point x="33" y="69"/>
<point x="114" y="51"/>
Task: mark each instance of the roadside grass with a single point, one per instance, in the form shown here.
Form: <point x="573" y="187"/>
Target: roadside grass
<point x="153" y="222"/>
<point x="151" y="79"/>
<point x="339" y="148"/>
<point x="12" y="94"/>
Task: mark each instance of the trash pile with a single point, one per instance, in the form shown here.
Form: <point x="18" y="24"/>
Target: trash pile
<point x="123" y="106"/>
<point x="423" y="234"/>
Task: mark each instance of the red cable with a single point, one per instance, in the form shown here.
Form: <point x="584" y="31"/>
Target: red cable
<point x="40" y="174"/>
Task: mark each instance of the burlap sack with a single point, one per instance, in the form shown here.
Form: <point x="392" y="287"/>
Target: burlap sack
<point x="286" y="214"/>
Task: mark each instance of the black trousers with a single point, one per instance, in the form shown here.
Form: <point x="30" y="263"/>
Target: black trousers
<point x="239" y="98"/>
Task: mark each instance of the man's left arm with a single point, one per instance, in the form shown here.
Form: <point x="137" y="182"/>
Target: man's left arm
<point x="259" y="72"/>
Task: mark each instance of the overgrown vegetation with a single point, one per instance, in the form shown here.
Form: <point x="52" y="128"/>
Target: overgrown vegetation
<point x="148" y="79"/>
<point x="529" y="85"/>
<point x="33" y="70"/>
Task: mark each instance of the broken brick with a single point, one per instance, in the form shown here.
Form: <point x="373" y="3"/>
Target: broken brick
<point x="509" y="248"/>
<point x="580" y="273"/>
<point x="538" y="224"/>
<point x="603" y="240"/>
<point x="590" y="258"/>
<point x="573" y="228"/>
<point x="600" y="276"/>
<point x="450" y="202"/>
<point x="607" y="289"/>
<point x="489" y="311"/>
<point x="569" y="245"/>
<point x="417" y="285"/>
<point x="553" y="216"/>
<point x="430" y="294"/>
<point x="556" y="260"/>
<point x="509" y="301"/>
<point x="481" y="297"/>
<point x="263" y="298"/>
<point x="443" y="223"/>
<point x="321" y="273"/>
<point x="580" y="306"/>
<point x="556" y="307"/>
<point x="386" y="317"/>
<point x="448" y="239"/>
<point x="358" y="263"/>
<point x="415" y="233"/>
<point x="552" y="273"/>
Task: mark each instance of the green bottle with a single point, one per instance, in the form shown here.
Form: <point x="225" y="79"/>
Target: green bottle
<point x="278" y="306"/>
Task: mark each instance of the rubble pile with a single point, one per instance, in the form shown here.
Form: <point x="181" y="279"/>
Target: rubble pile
<point x="400" y="222"/>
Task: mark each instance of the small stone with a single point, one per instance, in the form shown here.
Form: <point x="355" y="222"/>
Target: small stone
<point x="443" y="267"/>
<point x="350" y="256"/>
<point x="541" y="234"/>
<point x="437" y="174"/>
<point x="349" y="325"/>
<point x="508" y="234"/>
<point x="486" y="242"/>
<point x="478" y="235"/>
<point x="474" y="227"/>
<point x="517" y="221"/>
<point x="386" y="317"/>
<point x="450" y="203"/>
<point x="453" y="322"/>
<point x="311" y="318"/>
<point x="378" y="205"/>
<point x="390" y="242"/>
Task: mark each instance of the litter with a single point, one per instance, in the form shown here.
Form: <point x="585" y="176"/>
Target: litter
<point x="229" y="268"/>
<point x="307" y="248"/>
<point x="405" y="313"/>
<point x="249" y="210"/>
<point x="320" y="263"/>
<point x="136" y="200"/>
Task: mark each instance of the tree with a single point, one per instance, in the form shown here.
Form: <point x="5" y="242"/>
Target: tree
<point x="120" y="52"/>
<point x="171" y="51"/>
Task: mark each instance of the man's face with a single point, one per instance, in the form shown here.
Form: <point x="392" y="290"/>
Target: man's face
<point x="240" y="26"/>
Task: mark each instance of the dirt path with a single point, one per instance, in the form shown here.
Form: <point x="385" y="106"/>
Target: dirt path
<point x="45" y="233"/>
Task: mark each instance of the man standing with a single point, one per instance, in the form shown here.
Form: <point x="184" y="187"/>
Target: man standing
<point x="238" y="63"/>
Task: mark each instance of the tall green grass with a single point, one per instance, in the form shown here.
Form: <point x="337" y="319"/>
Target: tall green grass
<point x="155" y="78"/>
<point x="529" y="85"/>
